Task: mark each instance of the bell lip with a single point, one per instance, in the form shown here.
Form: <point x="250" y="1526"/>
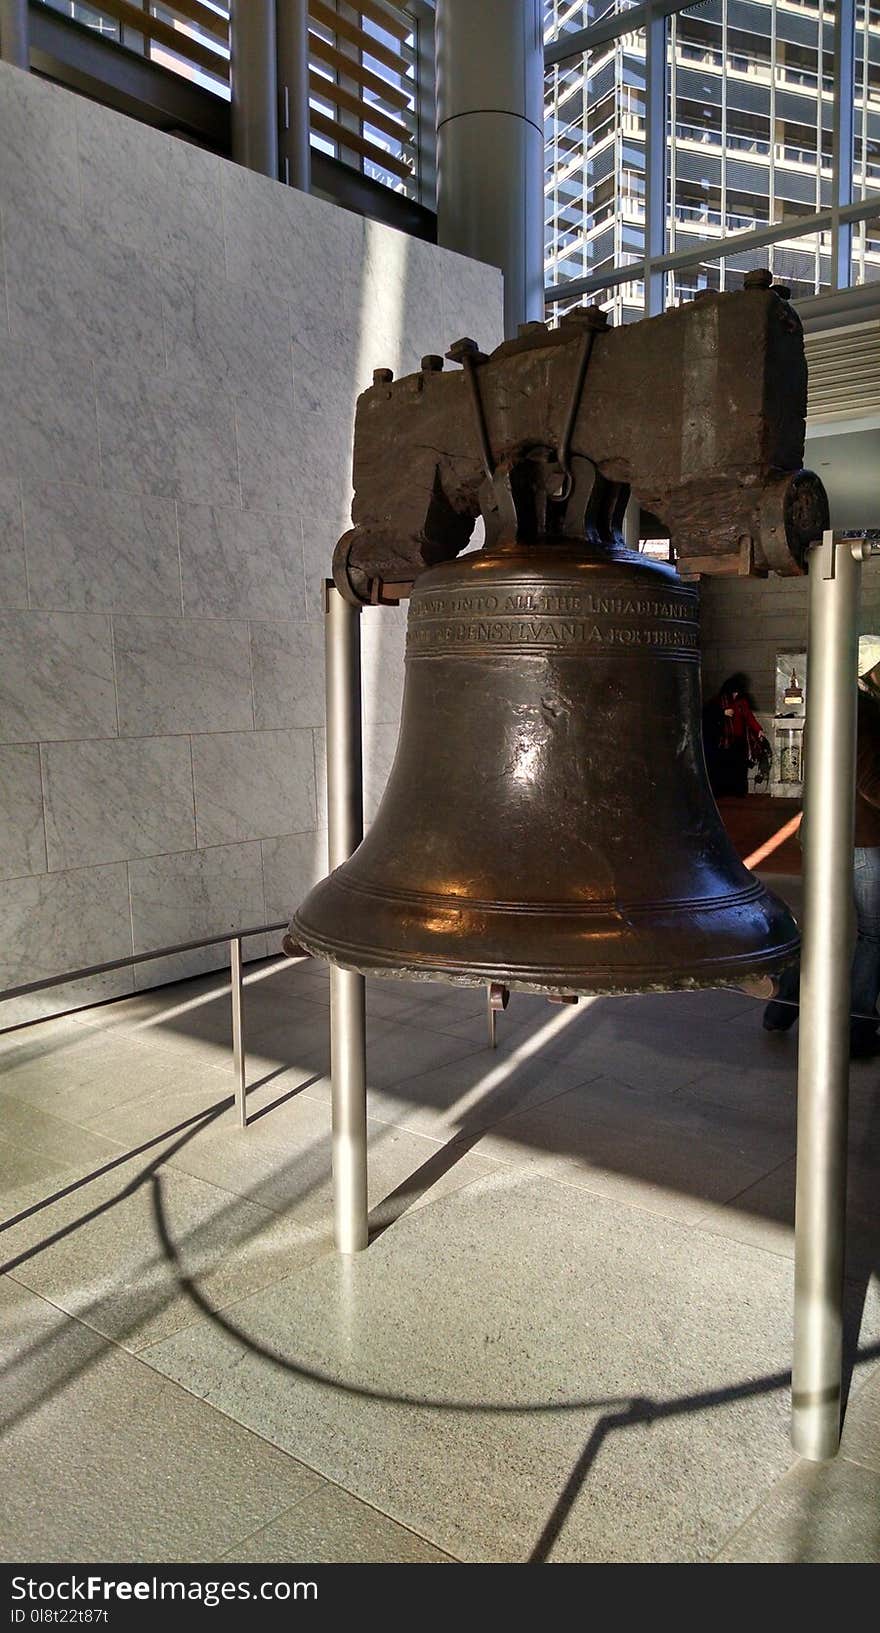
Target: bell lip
<point x="729" y="970"/>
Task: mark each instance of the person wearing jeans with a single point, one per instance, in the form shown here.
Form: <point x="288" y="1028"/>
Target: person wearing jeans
<point x="782" y="1012"/>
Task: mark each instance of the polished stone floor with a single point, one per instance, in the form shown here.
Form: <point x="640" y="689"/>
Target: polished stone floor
<point x="568" y="1341"/>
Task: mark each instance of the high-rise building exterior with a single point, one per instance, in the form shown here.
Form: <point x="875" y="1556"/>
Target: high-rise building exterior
<point x="749" y="112"/>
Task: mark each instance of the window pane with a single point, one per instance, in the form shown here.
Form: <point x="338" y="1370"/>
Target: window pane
<point x="750" y="128"/>
<point x="623" y="303"/>
<point x="567" y="16"/>
<point x="595" y="136"/>
<point x="866" y="135"/>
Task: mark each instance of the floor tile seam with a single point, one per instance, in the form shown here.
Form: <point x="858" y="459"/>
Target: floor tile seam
<point x="460" y="1138"/>
<point x="176" y="1386"/>
<point x="141" y="1353"/>
<point x="336" y="1485"/>
<point x="667" y="1218"/>
<point x="224" y="1412"/>
<point x="138" y="1035"/>
<point x="726" y="1202"/>
<point x="78" y="1320"/>
<point x="781" y="1479"/>
<point x="185" y="1051"/>
<point x="691" y="1087"/>
<point x="518" y="1111"/>
<point x="857" y="1462"/>
<point x="223" y="1309"/>
<point x="66" y="1123"/>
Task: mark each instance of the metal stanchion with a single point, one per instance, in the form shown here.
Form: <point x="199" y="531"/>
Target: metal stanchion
<point x="823" y="1054"/>
<point x="237" y="1029"/>
<point x="348" y="1033"/>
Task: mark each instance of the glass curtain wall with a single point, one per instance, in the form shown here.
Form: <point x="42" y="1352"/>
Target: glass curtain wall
<point x="751" y="96"/>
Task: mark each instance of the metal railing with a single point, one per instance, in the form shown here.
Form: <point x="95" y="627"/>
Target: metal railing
<point x="237" y="987"/>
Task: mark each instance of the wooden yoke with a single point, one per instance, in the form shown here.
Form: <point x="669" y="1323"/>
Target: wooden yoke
<point x="700" y="413"/>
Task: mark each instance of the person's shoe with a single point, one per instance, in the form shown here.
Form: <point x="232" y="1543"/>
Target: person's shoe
<point x="780" y="1017"/>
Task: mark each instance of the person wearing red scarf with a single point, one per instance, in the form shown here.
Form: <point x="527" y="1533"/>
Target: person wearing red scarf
<point x="732" y="738"/>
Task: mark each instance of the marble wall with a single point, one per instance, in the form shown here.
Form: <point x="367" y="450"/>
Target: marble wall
<point x="181" y="346"/>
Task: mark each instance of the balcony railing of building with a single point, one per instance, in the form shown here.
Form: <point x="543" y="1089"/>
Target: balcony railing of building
<point x="838" y="74"/>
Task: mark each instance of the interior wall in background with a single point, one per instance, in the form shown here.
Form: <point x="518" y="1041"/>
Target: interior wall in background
<point x="745" y="621"/>
<point x="182" y="343"/>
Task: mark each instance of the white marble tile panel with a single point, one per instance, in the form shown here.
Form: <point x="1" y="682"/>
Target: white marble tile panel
<point x="22" y="839"/>
<point x="112" y="801"/>
<point x="400" y="317"/>
<point x="328" y="372"/>
<point x="158" y="972"/>
<point x="291" y="865"/>
<point x="39" y="170"/>
<point x="380" y="747"/>
<point x="56" y="677"/>
<point x="97" y="551"/>
<point x="48" y="427"/>
<point x="80" y="294"/>
<point x="13" y="571"/>
<point x="163" y="436"/>
<point x="156" y="194"/>
<point x="182" y="675"/>
<point x="62" y="921"/>
<point x="303" y="249"/>
<point x="288" y="664"/>
<point x="252" y="785"/>
<point x="295" y="460"/>
<point x="234" y="336"/>
<point x="472" y="294"/>
<point x="383" y="644"/>
<point x="320" y="537"/>
<point x="195" y="893"/>
<point x="247" y="563"/>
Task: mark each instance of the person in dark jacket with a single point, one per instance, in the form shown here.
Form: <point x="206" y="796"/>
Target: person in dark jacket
<point x="732" y="737"/>
<point x="782" y="1012"/>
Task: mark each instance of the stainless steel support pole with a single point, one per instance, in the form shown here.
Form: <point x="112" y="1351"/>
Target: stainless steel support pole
<point x="632" y="520"/>
<point x="15" y="33"/>
<point x="238" y="1063"/>
<point x="254" y="83"/>
<point x="348" y="1031"/>
<point x="294" y="149"/>
<point x="492" y="1020"/>
<point x="490" y="143"/>
<point x="823" y="1054"/>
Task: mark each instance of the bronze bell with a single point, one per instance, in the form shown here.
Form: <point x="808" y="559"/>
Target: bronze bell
<point x="548" y="822"/>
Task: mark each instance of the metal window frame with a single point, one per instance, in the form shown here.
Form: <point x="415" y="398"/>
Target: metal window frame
<point x="658" y="262"/>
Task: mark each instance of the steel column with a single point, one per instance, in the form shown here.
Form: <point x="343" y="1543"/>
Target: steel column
<point x="348" y="1032"/>
<point x="842" y="149"/>
<point x="655" y="160"/>
<point x="823" y="1055"/>
<point x="15" y="33"/>
<point x="292" y="29"/>
<point x="632" y="521"/>
<point x="490" y="136"/>
<point x="238" y="1064"/>
<point x="254" y="83"/>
